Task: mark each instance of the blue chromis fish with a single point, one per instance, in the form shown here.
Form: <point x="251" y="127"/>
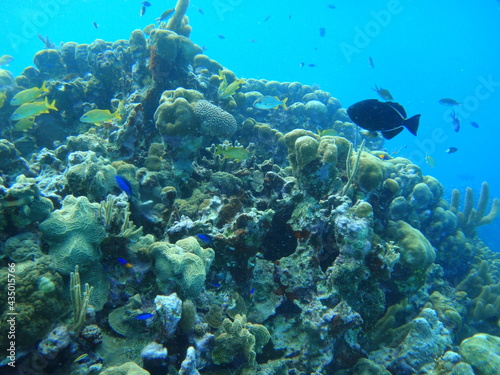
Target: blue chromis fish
<point x="451" y="150"/>
<point x="448" y="102"/>
<point x="252" y="292"/>
<point x="96" y="116"/>
<point x="370" y="62"/>
<point x="236" y="153"/>
<point x="383" y="93"/>
<point x="144" y="316"/>
<point x="29" y="95"/>
<point x="473" y="123"/>
<point x="270" y="102"/>
<point x="124" y="185"/>
<point x="6" y="59"/>
<point x="205" y="238"/>
<point x="33" y="109"/>
<point x="166" y="15"/>
<point x="455" y="121"/>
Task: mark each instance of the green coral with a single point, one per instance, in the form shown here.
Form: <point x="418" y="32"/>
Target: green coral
<point x="182" y="266"/>
<point x="40" y="301"/>
<point x="74" y="234"/>
<point x="481" y="351"/>
<point x="469" y="219"/>
<point x="416" y="251"/>
<point x="238" y="337"/>
<point x="370" y="172"/>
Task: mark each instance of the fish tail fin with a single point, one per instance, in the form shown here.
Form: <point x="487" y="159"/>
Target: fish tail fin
<point x="284" y="104"/>
<point x="51" y="105"/>
<point x="412" y="124"/>
<point x="44" y="87"/>
<point x="116" y="114"/>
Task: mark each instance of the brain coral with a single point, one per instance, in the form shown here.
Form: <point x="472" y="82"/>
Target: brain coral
<point x="183" y="265"/>
<point x="214" y="120"/>
<point x="74" y="233"/>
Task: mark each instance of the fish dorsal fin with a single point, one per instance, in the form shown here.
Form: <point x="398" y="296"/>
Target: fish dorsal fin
<point x="398" y="107"/>
<point x="389" y="134"/>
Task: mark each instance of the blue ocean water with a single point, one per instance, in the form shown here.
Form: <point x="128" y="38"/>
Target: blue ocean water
<point x="422" y="51"/>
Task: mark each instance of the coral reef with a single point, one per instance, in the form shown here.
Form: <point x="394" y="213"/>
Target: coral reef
<point x="201" y="234"/>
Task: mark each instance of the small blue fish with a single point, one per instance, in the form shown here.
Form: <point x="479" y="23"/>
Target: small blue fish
<point x="455" y="121"/>
<point x="124" y="185"/>
<point x="215" y="285"/>
<point x="124" y="262"/>
<point x="322" y="32"/>
<point x="144" y="316"/>
<point x="252" y="292"/>
<point x="474" y="124"/>
<point x="205" y="238"/>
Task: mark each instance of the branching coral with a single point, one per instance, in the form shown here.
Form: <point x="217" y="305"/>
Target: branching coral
<point x="469" y="219"/>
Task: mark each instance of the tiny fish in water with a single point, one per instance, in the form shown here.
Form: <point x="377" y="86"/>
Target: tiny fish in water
<point x="124" y="185"/>
<point x="251" y="293"/>
<point x="201" y="11"/>
<point x="301" y="234"/>
<point x="370" y="61"/>
<point x="25" y="124"/>
<point x="205" y="238"/>
<point x="166" y="15"/>
<point x="146" y="3"/>
<point x="6" y="59"/>
<point x="331" y="6"/>
<point x="451" y="150"/>
<point x="96" y="25"/>
<point x="330" y="132"/>
<point x="142" y="12"/>
<point x="96" y="116"/>
<point x="215" y="285"/>
<point x="29" y="95"/>
<point x="311" y="65"/>
<point x="322" y="31"/>
<point x="301" y="65"/>
<point x="144" y="316"/>
<point x="80" y="358"/>
<point x="473" y="123"/>
<point x="383" y="156"/>
<point x="430" y="161"/>
<point x="455" y="121"/>
<point x="270" y="102"/>
<point x="383" y="93"/>
<point x="33" y="109"/>
<point x="220" y="36"/>
<point x="448" y="102"/>
<point x="124" y="262"/>
<point x="236" y="153"/>
<point x="267" y="18"/>
<point x="389" y="118"/>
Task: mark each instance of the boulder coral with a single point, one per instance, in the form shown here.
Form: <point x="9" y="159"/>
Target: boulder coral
<point x="416" y="251"/>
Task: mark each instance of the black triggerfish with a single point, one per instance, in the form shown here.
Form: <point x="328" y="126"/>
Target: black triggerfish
<point x="389" y="118"/>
